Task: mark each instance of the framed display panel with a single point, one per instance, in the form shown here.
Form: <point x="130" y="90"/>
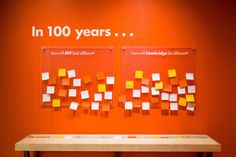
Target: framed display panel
<point x="89" y="66"/>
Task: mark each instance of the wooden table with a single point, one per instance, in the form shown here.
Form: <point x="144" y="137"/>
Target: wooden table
<point x="118" y="143"/>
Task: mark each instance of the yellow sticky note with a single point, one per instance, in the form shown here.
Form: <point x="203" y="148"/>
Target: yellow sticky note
<point x="101" y="87"/>
<point x="138" y="74"/>
<point x="61" y="72"/>
<point x="56" y="103"/>
<point x="155" y="136"/>
<point x="57" y="136"/>
<point x="129" y="84"/>
<point x="190" y="98"/>
<point x="182" y="101"/>
<point x="172" y="73"/>
<point x="159" y="85"/>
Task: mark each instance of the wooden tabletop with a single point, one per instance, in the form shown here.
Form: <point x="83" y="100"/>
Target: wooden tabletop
<point x="118" y="143"/>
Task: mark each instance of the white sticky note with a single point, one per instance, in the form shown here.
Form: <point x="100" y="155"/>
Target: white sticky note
<point x="50" y="89"/>
<point x="173" y="106"/>
<point x="98" y="97"/>
<point x="173" y="97"/>
<point x="181" y="90"/>
<point x="45" y="76"/>
<point x="76" y="82"/>
<point x="156" y="77"/>
<point x="72" y="92"/>
<point x="191" y="89"/>
<point x="46" y="98"/>
<point x="155" y="91"/>
<point x="190" y="107"/>
<point x="84" y="94"/>
<point x="95" y="105"/>
<point x="189" y="76"/>
<point x="136" y="93"/>
<point x="164" y="96"/>
<point x="144" y="89"/>
<point x="110" y="80"/>
<point x="74" y="105"/>
<point x="108" y="96"/>
<point x="71" y="73"/>
<point x="128" y="105"/>
<point x="145" y="105"/>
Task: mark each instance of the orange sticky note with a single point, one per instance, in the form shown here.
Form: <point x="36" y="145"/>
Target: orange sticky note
<point x="122" y="99"/>
<point x="138" y="74"/>
<point x="106" y="107"/>
<point x="61" y="72"/>
<point x="62" y="93"/>
<point x="100" y="76"/>
<point x="165" y="105"/>
<point x="167" y="87"/>
<point x="174" y="81"/>
<point x="190" y="98"/>
<point x="182" y="101"/>
<point x="56" y="103"/>
<point x="85" y="105"/>
<point x="183" y="83"/>
<point x="159" y="85"/>
<point x="129" y="84"/>
<point x="52" y="80"/>
<point x="172" y="73"/>
<point x="87" y="79"/>
<point x="101" y="87"/>
<point x="154" y="100"/>
<point x="136" y="104"/>
<point x="65" y="82"/>
<point x="145" y="81"/>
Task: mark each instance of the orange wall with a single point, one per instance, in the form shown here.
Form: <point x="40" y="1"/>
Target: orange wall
<point x="208" y="26"/>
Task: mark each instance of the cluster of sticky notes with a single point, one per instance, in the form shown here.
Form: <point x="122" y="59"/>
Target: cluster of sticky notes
<point x="65" y="87"/>
<point x="170" y="94"/>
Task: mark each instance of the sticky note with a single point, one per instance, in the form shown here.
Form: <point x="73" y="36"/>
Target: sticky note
<point x="191" y="89"/>
<point x="189" y="76"/>
<point x="50" y="90"/>
<point x="84" y="94"/>
<point x="156" y="77"/>
<point x="136" y="93"/>
<point x="52" y="80"/>
<point x="87" y="79"/>
<point x="97" y="97"/>
<point x="183" y="83"/>
<point x="129" y="84"/>
<point x="173" y="97"/>
<point x="105" y="107"/>
<point x="65" y="82"/>
<point x="136" y="103"/>
<point x="190" y="98"/>
<point x="165" y="106"/>
<point x="154" y="100"/>
<point x="181" y="90"/>
<point x="101" y="87"/>
<point x="71" y="73"/>
<point x="159" y="85"/>
<point x="182" y="101"/>
<point x="145" y="105"/>
<point x="167" y="87"/>
<point x="62" y="92"/>
<point x="190" y="107"/>
<point x="74" y="105"/>
<point x="164" y="96"/>
<point x="108" y="96"/>
<point x="85" y="105"/>
<point x="76" y="82"/>
<point x="122" y="98"/>
<point x="145" y="81"/>
<point x="61" y="72"/>
<point x="100" y="76"/>
<point x="72" y="92"/>
<point x="128" y="105"/>
<point x="173" y="106"/>
<point x="155" y="91"/>
<point x="144" y="89"/>
<point x="95" y="106"/>
<point x="174" y="81"/>
<point x="172" y="73"/>
<point x="56" y="103"/>
<point x="46" y="98"/>
<point x="138" y="74"/>
<point x="110" y="80"/>
<point x="45" y="76"/>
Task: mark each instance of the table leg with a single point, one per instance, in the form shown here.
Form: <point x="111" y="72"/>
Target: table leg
<point x="209" y="154"/>
<point x="26" y="154"/>
<point x="36" y="154"/>
<point x="117" y="154"/>
<point x="200" y="154"/>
